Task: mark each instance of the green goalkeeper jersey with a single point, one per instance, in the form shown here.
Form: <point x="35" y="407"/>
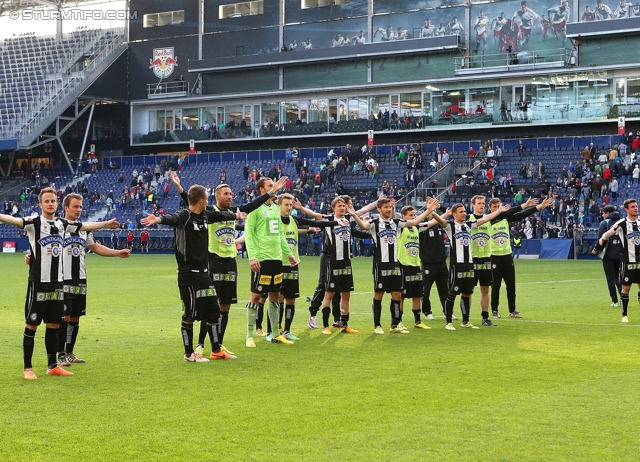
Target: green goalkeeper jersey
<point x="264" y="237"/>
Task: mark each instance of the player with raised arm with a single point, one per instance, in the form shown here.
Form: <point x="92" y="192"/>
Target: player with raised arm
<point x="266" y="247"/>
<point x="45" y="291"/>
<point x="75" y="278"/>
<point x="433" y="256"/>
<point x="461" y="276"/>
<point x="481" y="250"/>
<point x="318" y="295"/>
<point x="222" y="251"/>
<point x="338" y="277"/>
<point x="502" y="254"/>
<point x="290" y="289"/>
<point x="198" y="295"/>
<point x="408" y="239"/>
<point x="386" y="268"/>
<point x="628" y="231"/>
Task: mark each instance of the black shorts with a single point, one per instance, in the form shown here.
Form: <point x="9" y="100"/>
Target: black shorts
<point x="461" y="279"/>
<point x="629" y="273"/>
<point x="224" y="276"/>
<point x="199" y="301"/>
<point x="269" y="279"/>
<point x="290" y="282"/>
<point x="482" y="272"/>
<point x="144" y="243"/>
<point x="387" y="278"/>
<point x="45" y="303"/>
<point x="75" y="298"/>
<point x="411" y="281"/>
<point x="339" y="276"/>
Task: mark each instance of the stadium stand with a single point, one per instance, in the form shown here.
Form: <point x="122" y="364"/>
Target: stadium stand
<point x="127" y="204"/>
<point x="38" y="74"/>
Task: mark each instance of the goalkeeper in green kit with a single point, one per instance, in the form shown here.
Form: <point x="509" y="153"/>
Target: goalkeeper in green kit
<point x="266" y="246"/>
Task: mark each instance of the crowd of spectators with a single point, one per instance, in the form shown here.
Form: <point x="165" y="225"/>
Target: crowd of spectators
<point x="580" y="189"/>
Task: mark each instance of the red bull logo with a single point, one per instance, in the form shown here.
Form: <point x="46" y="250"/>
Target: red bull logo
<point x="163" y="62"/>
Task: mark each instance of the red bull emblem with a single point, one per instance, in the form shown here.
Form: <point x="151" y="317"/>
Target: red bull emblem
<point x="163" y="62"/>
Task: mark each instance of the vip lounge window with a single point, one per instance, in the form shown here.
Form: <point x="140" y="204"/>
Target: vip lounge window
<point x="163" y="19"/>
<point x="236" y="10"/>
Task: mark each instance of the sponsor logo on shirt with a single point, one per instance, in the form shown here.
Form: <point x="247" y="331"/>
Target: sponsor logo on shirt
<point x="463" y="237"/>
<point x="501" y="238"/>
<point x="480" y="239"/>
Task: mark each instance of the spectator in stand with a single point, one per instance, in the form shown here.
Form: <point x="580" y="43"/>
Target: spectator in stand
<point x="594" y="211"/>
<point x="596" y="187"/>
<point x="518" y="198"/>
<point x="523" y="171"/>
<point x="521" y="148"/>
<point x="602" y="158"/>
<point x="613" y="154"/>
<point x="635" y="145"/>
<point x="401" y="155"/>
<point x="597" y="169"/>
<point x="613" y="188"/>
<point x="622" y="148"/>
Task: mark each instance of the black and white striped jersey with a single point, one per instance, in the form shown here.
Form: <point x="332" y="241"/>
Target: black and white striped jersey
<point x="73" y="254"/>
<point x="336" y="241"/>
<point x="629" y="233"/>
<point x="384" y="235"/>
<point x="46" y="239"/>
<point x="460" y="241"/>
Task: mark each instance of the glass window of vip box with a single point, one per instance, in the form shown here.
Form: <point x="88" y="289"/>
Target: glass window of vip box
<point x="236" y="10"/>
<point x="165" y="18"/>
<point x="321" y="3"/>
<point x="570" y="97"/>
<point x="628" y="90"/>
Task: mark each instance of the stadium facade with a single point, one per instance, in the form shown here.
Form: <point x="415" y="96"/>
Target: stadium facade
<point x="259" y="70"/>
<point x="275" y="73"/>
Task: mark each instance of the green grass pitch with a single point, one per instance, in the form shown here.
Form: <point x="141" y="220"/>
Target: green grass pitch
<point x="559" y="384"/>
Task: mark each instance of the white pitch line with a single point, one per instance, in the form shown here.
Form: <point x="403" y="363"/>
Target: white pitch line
<point x="563" y="281"/>
<point x="583" y="323"/>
